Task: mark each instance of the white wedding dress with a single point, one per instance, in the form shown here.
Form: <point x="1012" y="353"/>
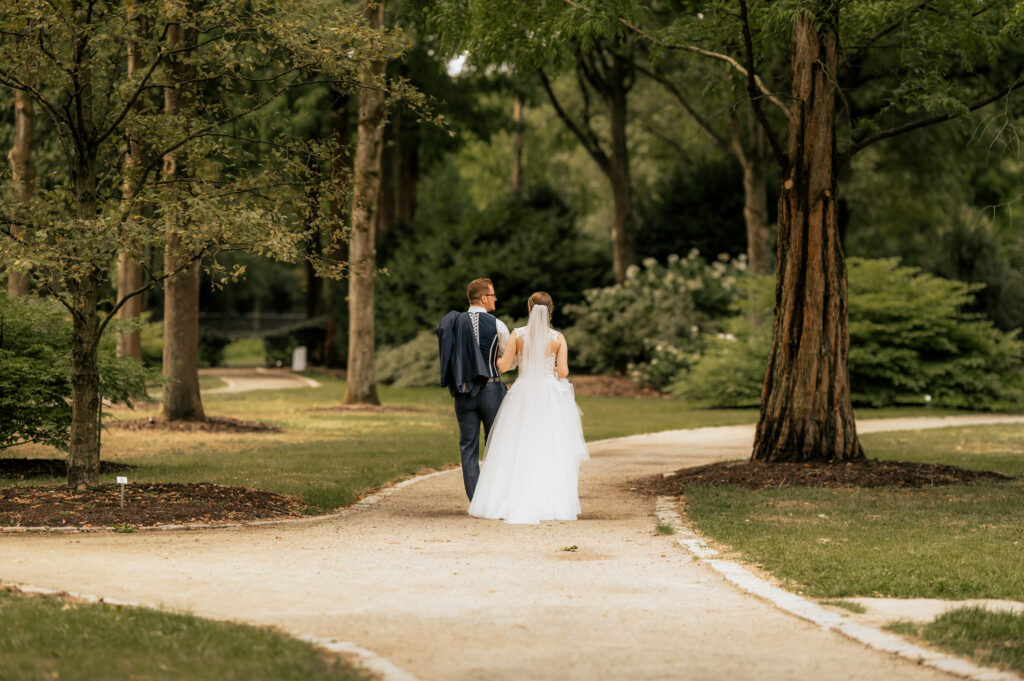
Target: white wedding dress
<point x="531" y="465"/>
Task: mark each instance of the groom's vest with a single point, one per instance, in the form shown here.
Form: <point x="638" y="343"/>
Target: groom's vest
<point x="485" y="328"/>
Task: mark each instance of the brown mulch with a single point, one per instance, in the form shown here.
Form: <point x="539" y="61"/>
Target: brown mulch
<point x="610" y="386"/>
<point x="757" y="475"/>
<point x="213" y="424"/>
<point x="145" y="504"/>
<point x="19" y="469"/>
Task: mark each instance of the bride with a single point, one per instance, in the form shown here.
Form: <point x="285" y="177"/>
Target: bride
<point x="533" y="454"/>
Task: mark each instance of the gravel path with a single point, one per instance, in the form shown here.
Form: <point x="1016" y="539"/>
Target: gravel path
<point x="445" y="596"/>
<point x="242" y="380"/>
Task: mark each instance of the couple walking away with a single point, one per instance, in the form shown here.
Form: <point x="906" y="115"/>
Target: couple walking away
<point x="532" y="432"/>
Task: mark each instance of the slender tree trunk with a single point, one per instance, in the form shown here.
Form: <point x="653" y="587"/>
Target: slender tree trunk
<point x="407" y="170"/>
<point x="22" y="174"/>
<point x="623" y="254"/>
<point x="755" y="213"/>
<point x="129" y="272"/>
<point x="341" y="134"/>
<point x="361" y="377"/>
<point x="806" y="410"/>
<point x="517" y="144"/>
<point x="181" y="399"/>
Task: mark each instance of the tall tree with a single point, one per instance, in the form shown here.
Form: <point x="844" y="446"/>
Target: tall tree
<point x="942" y="58"/>
<point x="360" y="373"/>
<point x="129" y="272"/>
<point x="181" y="399"/>
<point x="22" y="174"/>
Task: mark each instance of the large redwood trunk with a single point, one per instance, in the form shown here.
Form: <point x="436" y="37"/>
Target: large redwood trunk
<point x="623" y="254"/>
<point x="806" y="410"/>
<point x="22" y="173"/>
<point x="181" y="399"/>
<point x="129" y="272"/>
<point x="361" y="375"/>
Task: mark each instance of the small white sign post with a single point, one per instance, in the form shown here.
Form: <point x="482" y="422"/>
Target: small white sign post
<point x="122" y="480"/>
<point x="299" y="358"/>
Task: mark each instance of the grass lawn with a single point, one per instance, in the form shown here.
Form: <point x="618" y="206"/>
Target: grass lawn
<point x="963" y="541"/>
<point x="992" y="638"/>
<point x="49" y="638"/>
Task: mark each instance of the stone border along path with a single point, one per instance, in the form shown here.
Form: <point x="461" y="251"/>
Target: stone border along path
<point x="437" y="595"/>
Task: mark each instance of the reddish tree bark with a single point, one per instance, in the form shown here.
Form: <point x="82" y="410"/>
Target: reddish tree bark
<point x="806" y="409"/>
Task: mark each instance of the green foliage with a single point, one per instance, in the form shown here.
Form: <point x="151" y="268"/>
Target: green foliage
<point x="909" y="337"/>
<point x="35" y="373"/>
<point x="694" y="205"/>
<point x="279" y="343"/>
<point x="653" y="323"/>
<point x="524" y="242"/>
<point x="411" y="364"/>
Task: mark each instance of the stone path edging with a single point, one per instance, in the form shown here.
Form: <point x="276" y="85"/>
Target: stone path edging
<point x="384" y="670"/>
<point x="801" y="607"/>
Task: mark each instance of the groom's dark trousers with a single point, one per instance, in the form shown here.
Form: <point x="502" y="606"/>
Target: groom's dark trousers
<point x="472" y="411"/>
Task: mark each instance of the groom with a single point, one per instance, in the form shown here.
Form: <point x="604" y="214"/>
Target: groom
<point x="470" y="343"/>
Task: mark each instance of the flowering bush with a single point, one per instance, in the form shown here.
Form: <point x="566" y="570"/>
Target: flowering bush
<point x="653" y="323"/>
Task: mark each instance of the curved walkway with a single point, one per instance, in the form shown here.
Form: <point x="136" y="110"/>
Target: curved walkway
<point x="445" y="596"/>
<point x="242" y="380"/>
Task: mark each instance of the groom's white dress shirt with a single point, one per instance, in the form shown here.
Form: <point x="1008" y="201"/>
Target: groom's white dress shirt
<point x="503" y="333"/>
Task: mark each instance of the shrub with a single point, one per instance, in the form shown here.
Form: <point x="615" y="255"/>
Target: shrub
<point x="909" y="337"/>
<point x="279" y="343"/>
<point x="412" y="364"/>
<point x="653" y="323"/>
<point x="35" y="372"/>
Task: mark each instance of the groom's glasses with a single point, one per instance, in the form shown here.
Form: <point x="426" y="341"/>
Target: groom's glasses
<point x="486" y="295"/>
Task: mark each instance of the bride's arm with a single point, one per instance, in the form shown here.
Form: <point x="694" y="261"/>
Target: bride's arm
<point x="562" y="358"/>
<point x="508" y="358"/>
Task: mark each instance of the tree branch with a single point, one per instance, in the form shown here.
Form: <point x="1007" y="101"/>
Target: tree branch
<point x="701" y="122"/>
<point x="925" y="122"/>
<point x="589" y="142"/>
<point x="754" y="93"/>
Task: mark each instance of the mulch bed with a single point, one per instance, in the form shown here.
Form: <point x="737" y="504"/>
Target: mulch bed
<point x="19" y="469"/>
<point x="213" y="424"/>
<point x="145" y="504"/>
<point x="757" y="475"/>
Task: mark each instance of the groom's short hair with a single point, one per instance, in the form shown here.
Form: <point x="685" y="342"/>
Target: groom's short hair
<point x="477" y="288"/>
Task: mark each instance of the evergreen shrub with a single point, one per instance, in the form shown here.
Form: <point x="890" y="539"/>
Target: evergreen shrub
<point x="911" y="342"/>
<point x="654" y="324"/>
<point x="35" y="372"/>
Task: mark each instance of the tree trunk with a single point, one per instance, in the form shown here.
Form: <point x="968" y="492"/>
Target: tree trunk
<point x="129" y="272"/>
<point x="806" y="410"/>
<point x="361" y="377"/>
<point x="623" y="254"/>
<point x="181" y="399"/>
<point x="22" y="174"/>
<point x="407" y="170"/>
<point x="755" y="204"/>
<point x="84" y="447"/>
<point x="517" y="144"/>
<point x="341" y="135"/>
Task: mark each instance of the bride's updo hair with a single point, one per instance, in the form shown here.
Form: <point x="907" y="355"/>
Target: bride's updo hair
<point x="541" y="298"/>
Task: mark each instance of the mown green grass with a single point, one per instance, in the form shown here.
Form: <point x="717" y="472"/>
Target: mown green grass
<point x="48" y="638"/>
<point x="992" y="638"/>
<point x="962" y="541"/>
